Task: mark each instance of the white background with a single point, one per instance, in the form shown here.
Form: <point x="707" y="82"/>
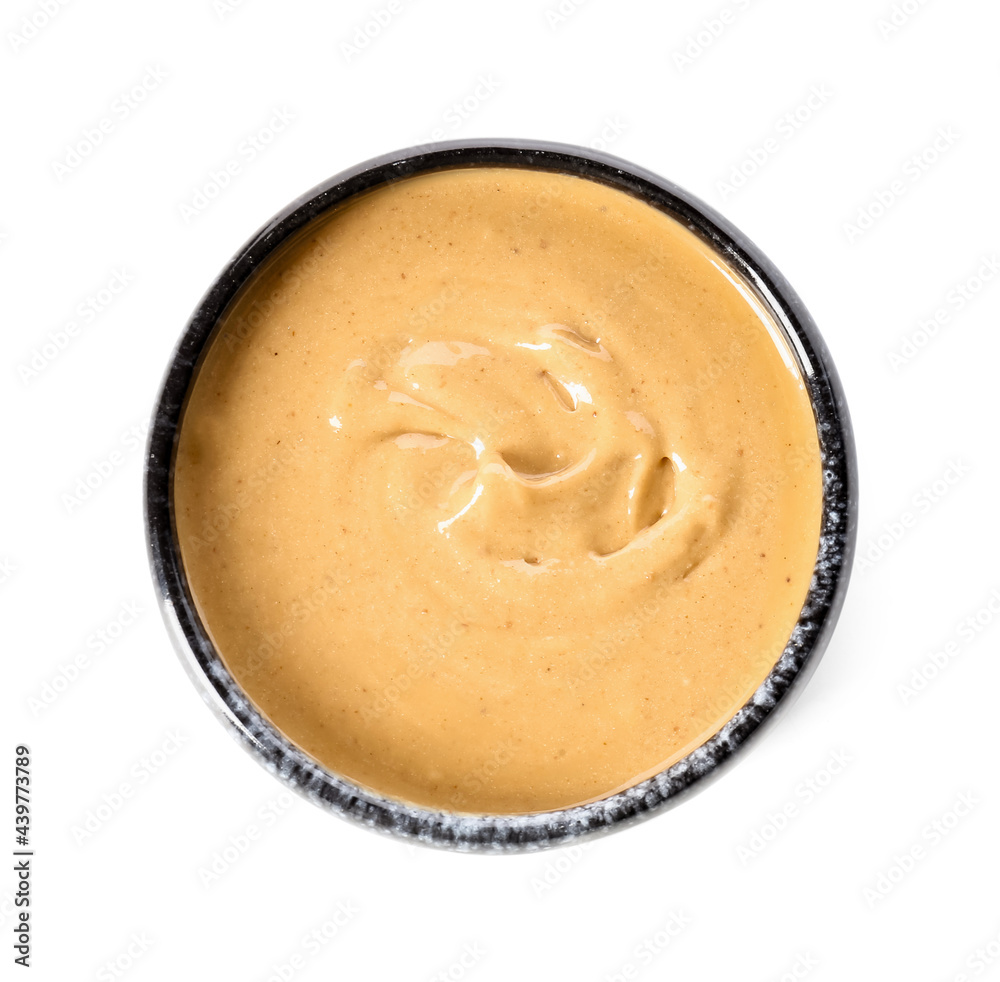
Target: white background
<point x="858" y="882"/>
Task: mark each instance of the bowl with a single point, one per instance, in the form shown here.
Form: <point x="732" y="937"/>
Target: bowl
<point x="508" y="833"/>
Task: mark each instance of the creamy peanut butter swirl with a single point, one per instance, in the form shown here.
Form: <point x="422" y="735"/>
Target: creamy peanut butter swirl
<point x="550" y="465"/>
<point x="498" y="491"/>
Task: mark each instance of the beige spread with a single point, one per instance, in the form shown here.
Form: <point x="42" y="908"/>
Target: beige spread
<point x="498" y="491"/>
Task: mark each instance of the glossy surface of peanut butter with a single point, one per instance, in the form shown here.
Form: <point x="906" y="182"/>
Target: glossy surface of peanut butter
<point x="497" y="491"/>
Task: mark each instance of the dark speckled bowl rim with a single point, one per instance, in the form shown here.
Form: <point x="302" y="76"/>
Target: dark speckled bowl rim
<point x="508" y="833"/>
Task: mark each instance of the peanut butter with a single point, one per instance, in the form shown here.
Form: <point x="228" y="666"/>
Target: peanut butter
<point x="498" y="490"/>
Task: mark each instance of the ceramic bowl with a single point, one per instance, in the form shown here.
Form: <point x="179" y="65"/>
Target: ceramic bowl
<point x="500" y="833"/>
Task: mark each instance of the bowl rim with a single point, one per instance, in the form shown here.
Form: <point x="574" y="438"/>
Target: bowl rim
<point x="537" y="830"/>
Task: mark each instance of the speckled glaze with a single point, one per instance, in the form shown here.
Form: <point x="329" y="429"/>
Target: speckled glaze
<point x="491" y="833"/>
